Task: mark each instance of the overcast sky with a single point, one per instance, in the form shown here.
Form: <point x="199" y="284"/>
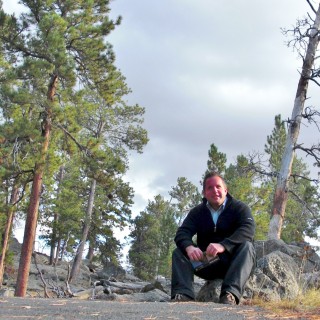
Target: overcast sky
<point x="206" y="71"/>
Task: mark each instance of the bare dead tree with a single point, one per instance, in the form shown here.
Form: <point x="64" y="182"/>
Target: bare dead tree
<point x="305" y="40"/>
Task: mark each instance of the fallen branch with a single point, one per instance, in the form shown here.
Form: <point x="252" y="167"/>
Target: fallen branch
<point x="70" y="293"/>
<point x="45" y="286"/>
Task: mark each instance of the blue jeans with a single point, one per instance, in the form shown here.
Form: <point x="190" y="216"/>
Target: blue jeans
<point x="234" y="269"/>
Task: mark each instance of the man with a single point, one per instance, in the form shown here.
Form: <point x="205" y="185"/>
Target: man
<point x="224" y="228"/>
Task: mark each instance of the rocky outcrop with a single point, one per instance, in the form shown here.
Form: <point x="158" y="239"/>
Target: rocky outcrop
<point x="281" y="271"/>
<point x="276" y="277"/>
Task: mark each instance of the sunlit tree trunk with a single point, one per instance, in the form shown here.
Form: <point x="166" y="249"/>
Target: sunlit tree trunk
<point x="54" y="236"/>
<point x="281" y="192"/>
<point x="32" y="213"/>
<point x="7" y="230"/>
<point x="85" y="231"/>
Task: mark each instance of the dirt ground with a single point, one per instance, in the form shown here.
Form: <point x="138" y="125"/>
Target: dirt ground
<point x="68" y="309"/>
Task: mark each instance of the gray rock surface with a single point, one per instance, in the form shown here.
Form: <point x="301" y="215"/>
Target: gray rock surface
<point x="282" y="271"/>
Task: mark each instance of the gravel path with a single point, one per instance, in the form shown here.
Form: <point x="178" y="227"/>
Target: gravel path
<point x="58" y="309"/>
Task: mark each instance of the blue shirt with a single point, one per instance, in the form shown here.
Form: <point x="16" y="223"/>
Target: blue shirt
<point x="215" y="213"/>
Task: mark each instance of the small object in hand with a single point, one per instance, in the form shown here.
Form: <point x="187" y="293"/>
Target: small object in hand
<point x="205" y="262"/>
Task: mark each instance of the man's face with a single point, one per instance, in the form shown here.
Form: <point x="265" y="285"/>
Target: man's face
<point x="215" y="192"/>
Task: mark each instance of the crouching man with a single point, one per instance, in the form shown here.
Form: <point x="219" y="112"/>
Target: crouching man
<point x="224" y="229"/>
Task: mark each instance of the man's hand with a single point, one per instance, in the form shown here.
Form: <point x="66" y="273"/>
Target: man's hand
<point x="194" y="253"/>
<point x="214" y="248"/>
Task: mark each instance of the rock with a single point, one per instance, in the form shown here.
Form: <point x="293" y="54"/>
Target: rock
<point x="303" y="254"/>
<point x="111" y="270"/>
<point x="153" y="286"/>
<point x="130" y="278"/>
<point x="210" y="292"/>
<point x="276" y="277"/>
<point x="311" y="280"/>
<point x="155" y="295"/>
<point x="133" y="287"/>
<point x="260" y="285"/>
<point x="281" y="271"/>
<point x="89" y="293"/>
<point x="7" y="293"/>
<point x="15" y="246"/>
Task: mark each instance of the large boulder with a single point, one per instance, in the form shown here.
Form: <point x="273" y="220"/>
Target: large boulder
<point x="111" y="270"/>
<point x="276" y="277"/>
<point x="303" y="253"/>
<point x="282" y="272"/>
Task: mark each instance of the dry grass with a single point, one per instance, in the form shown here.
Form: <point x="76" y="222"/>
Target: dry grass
<point x="305" y="306"/>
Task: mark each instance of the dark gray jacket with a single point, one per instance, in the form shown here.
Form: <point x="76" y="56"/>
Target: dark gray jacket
<point x="234" y="226"/>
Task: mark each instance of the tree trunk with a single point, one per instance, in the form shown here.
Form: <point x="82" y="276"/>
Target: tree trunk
<point x="281" y="192"/>
<point x="54" y="238"/>
<point x="29" y="234"/>
<point x="90" y="254"/>
<point x="7" y="230"/>
<point x="56" y="257"/>
<point x="32" y="214"/>
<point x="85" y="232"/>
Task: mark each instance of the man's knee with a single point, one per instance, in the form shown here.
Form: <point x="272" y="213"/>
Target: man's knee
<point x="246" y="255"/>
<point x="247" y="247"/>
<point x="245" y="252"/>
<point x="177" y="254"/>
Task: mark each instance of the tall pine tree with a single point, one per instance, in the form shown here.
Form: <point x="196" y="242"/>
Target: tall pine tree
<point x="53" y="47"/>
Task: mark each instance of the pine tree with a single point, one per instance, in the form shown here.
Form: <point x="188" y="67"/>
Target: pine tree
<point x="217" y="160"/>
<point x="53" y="47"/>
<point x="144" y="246"/>
<point x="152" y="236"/>
<point x="275" y="144"/>
<point x="243" y="184"/>
<point x="186" y="196"/>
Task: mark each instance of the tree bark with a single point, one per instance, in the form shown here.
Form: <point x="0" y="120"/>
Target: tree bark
<point x="54" y="237"/>
<point x="90" y="254"/>
<point x="32" y="213"/>
<point x="85" y="231"/>
<point x="281" y="192"/>
<point x="7" y="230"/>
<point x="29" y="234"/>
<point x="56" y="257"/>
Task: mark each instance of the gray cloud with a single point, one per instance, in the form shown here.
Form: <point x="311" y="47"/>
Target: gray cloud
<point x="207" y="72"/>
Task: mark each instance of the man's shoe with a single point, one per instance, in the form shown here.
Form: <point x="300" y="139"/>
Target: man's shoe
<point x="228" y="298"/>
<point x="181" y="298"/>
